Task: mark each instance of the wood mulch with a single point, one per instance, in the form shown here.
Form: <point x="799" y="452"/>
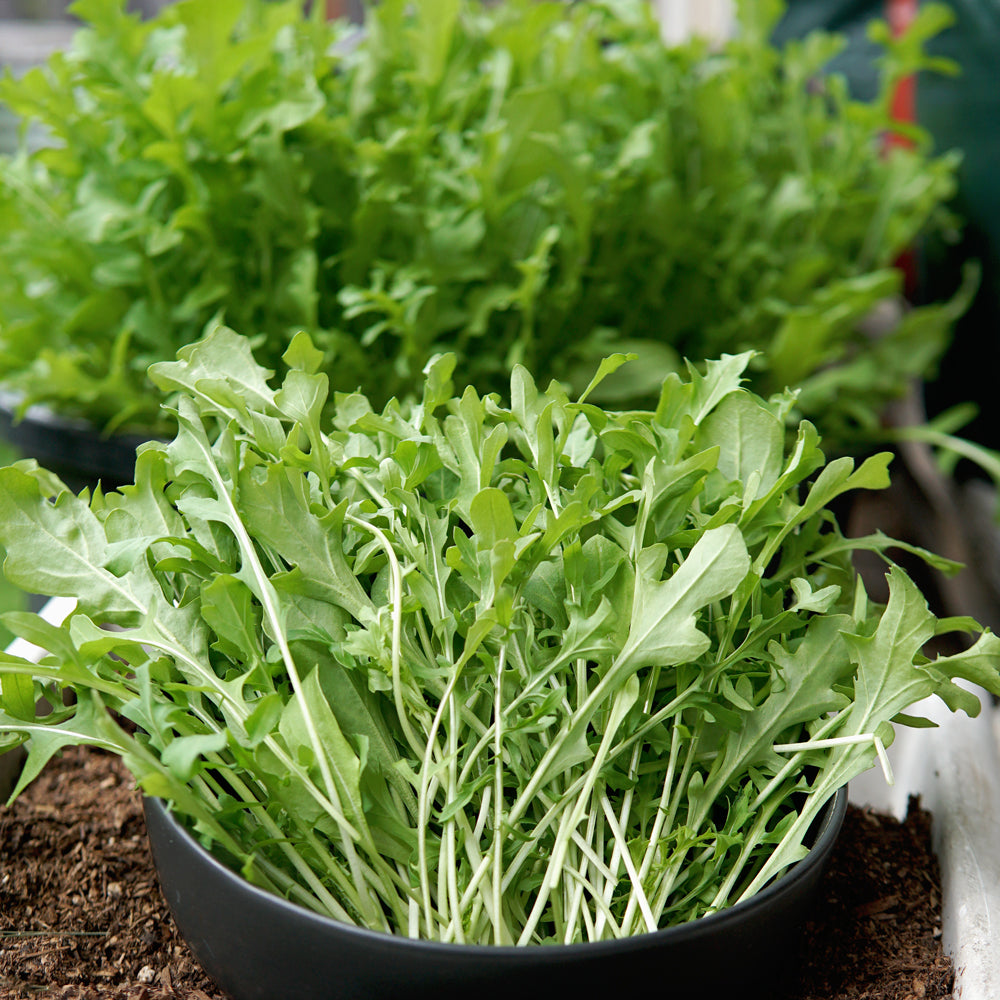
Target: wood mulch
<point x="81" y="916"/>
<point x="875" y="933"/>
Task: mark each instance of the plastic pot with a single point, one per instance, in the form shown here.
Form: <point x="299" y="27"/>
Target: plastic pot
<point x="11" y="762"/>
<point x="73" y="449"/>
<point x="257" y="946"/>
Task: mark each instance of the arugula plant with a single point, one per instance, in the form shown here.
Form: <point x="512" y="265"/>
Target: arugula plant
<point x="534" y="183"/>
<point x="469" y="669"/>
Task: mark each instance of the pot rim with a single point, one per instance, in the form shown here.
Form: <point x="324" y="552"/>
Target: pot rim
<point x="45" y="418"/>
<point x="830" y="820"/>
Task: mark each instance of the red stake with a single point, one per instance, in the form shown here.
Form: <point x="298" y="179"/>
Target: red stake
<point x="900" y="14"/>
<point x="904" y="99"/>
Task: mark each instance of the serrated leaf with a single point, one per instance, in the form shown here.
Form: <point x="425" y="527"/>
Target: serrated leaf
<point x="56" y="547"/>
<point x="663" y="628"/>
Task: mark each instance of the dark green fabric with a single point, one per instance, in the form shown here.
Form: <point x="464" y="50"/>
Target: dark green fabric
<point x="848" y="18"/>
<point x="964" y="113"/>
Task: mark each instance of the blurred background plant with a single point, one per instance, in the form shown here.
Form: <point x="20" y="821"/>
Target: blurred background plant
<point x="944" y="488"/>
<point x="525" y="182"/>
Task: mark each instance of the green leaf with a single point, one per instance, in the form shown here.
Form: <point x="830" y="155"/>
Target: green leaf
<point x="17" y="696"/>
<point x="750" y="441"/>
<point x="82" y="729"/>
<point x="185" y="754"/>
<point x="359" y="715"/>
<point x="608" y="366"/>
<point x="56" y="547"/>
<point x="806" y="692"/>
<point x="228" y="608"/>
<point x="663" y="627"/>
<point x="721" y="378"/>
<point x="492" y="518"/>
<point x="302" y="355"/>
<point x="263" y="719"/>
<point x="276" y="511"/>
<point x="221" y="372"/>
<point x="344" y="762"/>
<point x="433" y="38"/>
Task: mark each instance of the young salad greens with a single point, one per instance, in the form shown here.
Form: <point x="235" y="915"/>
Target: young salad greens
<point x="473" y="670"/>
<point x="536" y="183"/>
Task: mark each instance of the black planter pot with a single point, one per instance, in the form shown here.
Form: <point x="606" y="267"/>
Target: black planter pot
<point x="11" y="762"/>
<point x="257" y="946"/>
<point x="73" y="449"/>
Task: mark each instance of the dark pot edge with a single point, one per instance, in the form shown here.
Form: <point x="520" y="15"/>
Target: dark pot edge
<point x="76" y="450"/>
<point x="43" y="416"/>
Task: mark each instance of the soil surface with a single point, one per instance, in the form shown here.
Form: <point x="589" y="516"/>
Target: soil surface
<point x="875" y="933"/>
<point x="81" y="916"/>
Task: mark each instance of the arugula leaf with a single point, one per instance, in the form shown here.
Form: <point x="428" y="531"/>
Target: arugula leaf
<point x="468" y="669"/>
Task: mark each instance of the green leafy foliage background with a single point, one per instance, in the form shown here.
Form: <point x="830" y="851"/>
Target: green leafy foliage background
<point x="532" y="183"/>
